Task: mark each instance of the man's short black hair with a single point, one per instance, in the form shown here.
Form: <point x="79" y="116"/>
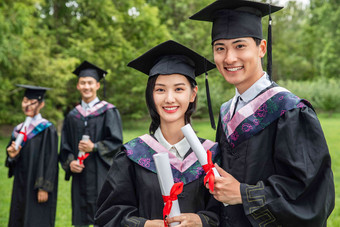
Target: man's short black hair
<point x="257" y="41"/>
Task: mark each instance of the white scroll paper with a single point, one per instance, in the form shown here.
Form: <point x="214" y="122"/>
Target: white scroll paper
<point x="196" y="146"/>
<point x="81" y="153"/>
<point x="24" y="129"/>
<point x="166" y="181"/>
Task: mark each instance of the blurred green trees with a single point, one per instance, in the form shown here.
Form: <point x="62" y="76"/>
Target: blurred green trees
<point x="42" y="41"/>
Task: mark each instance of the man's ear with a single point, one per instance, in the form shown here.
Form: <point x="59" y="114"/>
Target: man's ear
<point x="262" y="48"/>
<point x="41" y="105"/>
<point x="78" y="88"/>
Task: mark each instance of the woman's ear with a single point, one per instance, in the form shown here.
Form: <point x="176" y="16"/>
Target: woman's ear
<point x="193" y="94"/>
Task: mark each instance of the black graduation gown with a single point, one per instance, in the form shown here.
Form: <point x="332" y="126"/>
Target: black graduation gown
<point x="131" y="195"/>
<point x="284" y="171"/>
<point x="105" y="130"/>
<point x="36" y="167"/>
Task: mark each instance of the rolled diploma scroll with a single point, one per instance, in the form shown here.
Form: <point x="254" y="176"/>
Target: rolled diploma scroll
<point x="196" y="146"/>
<point x="24" y="129"/>
<point x="166" y="181"/>
<point x="81" y="153"/>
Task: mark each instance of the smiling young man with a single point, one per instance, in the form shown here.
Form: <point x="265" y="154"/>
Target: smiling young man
<point x="239" y="61"/>
<point x="88" y="160"/>
<point x="276" y="168"/>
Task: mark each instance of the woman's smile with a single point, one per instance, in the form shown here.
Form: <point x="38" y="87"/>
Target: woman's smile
<point x="170" y="109"/>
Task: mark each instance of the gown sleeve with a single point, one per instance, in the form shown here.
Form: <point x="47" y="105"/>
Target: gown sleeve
<point x="301" y="192"/>
<point x="66" y="155"/>
<point x="113" y="136"/>
<point x="117" y="202"/>
<point x="210" y="216"/>
<point x="10" y="162"/>
<point x="48" y="161"/>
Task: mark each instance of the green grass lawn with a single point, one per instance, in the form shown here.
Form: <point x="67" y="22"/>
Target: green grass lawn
<point x="330" y="125"/>
<point x="331" y="128"/>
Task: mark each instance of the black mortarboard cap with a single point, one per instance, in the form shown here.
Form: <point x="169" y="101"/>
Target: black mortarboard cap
<point x="237" y="18"/>
<point x="34" y="92"/>
<point x="87" y="69"/>
<point x="171" y="57"/>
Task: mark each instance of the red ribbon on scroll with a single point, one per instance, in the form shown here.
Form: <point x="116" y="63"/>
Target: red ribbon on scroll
<point x="208" y="169"/>
<point x="82" y="158"/>
<point x="25" y="134"/>
<point x="176" y="189"/>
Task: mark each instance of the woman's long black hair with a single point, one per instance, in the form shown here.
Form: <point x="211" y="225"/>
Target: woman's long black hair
<point x="155" y="119"/>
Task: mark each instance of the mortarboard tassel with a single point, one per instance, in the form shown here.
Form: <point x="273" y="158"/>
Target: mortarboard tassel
<point x="211" y="114"/>
<point x="269" y="49"/>
<point x="104" y="90"/>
